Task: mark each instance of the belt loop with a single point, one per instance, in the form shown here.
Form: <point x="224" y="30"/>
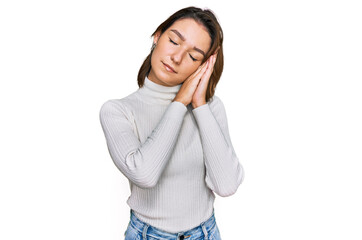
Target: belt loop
<point x="144" y="234"/>
<point x="204" y="230"/>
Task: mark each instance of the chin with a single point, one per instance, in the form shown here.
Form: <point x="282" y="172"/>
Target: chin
<point x="165" y="77"/>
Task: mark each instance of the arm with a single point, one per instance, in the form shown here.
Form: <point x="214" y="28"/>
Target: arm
<point x="141" y="163"/>
<point x="224" y="172"/>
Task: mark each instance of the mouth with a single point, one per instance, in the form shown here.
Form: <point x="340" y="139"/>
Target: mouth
<point x="169" y="68"/>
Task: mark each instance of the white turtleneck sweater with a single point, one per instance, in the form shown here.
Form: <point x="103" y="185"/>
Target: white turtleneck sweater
<point x="175" y="157"/>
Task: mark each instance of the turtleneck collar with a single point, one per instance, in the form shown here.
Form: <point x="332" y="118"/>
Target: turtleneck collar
<point x="156" y="93"/>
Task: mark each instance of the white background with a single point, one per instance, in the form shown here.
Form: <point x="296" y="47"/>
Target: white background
<point x="291" y="87"/>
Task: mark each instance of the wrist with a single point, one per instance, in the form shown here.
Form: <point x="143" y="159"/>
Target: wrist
<point x="196" y="105"/>
<point x="177" y="100"/>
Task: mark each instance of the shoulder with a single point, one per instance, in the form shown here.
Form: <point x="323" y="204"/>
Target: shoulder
<point x="112" y="104"/>
<point x="214" y="100"/>
<point x="216" y="105"/>
<point x="114" y="107"/>
<point x="124" y="104"/>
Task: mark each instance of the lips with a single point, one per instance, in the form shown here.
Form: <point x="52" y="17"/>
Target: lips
<point x="169" y="68"/>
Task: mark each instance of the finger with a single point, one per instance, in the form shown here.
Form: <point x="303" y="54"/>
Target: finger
<point x="195" y="78"/>
<point x="206" y="76"/>
<point x="198" y="75"/>
<point x="201" y="69"/>
<point x="210" y="62"/>
<point x="214" y="59"/>
<point x="203" y="65"/>
<point x="198" y="70"/>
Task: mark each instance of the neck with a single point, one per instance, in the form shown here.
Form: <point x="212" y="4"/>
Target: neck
<point x="157" y="93"/>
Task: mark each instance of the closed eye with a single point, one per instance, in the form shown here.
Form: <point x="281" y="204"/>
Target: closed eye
<point x="173" y="42"/>
<point x="193" y="59"/>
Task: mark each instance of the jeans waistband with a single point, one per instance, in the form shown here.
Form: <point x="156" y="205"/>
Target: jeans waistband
<point x="146" y="229"/>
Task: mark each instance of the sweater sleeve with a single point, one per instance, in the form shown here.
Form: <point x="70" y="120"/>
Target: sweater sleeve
<point x="141" y="163"/>
<point x="224" y="173"/>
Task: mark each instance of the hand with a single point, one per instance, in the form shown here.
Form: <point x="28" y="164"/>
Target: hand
<point x="199" y="97"/>
<point x="186" y="92"/>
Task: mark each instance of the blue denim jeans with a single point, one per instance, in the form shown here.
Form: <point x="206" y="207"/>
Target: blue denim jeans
<point x="138" y="230"/>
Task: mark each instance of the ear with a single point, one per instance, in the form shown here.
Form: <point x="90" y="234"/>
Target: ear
<point x="156" y="37"/>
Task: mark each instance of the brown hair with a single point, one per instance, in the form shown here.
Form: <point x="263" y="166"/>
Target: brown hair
<point x="208" y="20"/>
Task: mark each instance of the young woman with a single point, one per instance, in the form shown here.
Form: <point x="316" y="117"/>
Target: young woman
<point x="170" y="138"/>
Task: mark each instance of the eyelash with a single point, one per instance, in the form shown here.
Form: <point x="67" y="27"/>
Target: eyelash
<point x="173" y="42"/>
<point x="193" y="59"/>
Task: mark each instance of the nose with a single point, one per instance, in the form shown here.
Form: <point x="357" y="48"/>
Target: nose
<point x="177" y="56"/>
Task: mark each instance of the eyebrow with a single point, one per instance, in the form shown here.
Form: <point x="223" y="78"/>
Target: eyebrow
<point x="184" y="39"/>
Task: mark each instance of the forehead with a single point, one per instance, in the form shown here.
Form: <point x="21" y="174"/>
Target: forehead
<point x="195" y="33"/>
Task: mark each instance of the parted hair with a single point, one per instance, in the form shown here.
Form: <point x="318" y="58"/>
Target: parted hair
<point x="208" y="19"/>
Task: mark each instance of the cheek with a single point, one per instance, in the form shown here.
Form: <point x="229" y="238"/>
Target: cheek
<point x="156" y="56"/>
<point x="163" y="48"/>
<point x="191" y="68"/>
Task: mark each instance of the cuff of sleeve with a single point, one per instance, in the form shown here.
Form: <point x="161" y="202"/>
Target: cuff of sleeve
<point x="203" y="113"/>
<point x="175" y="110"/>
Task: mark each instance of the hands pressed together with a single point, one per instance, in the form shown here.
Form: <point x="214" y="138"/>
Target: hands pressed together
<point x="193" y="89"/>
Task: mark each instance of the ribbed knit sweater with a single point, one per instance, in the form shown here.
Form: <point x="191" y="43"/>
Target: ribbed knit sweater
<point x="175" y="157"/>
